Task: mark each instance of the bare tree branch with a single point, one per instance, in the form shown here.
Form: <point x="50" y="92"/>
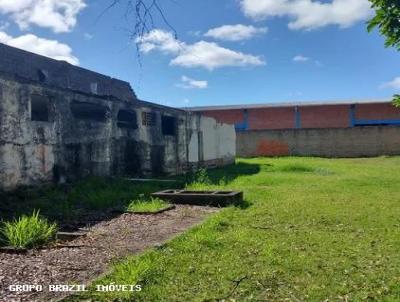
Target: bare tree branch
<point x="144" y="14"/>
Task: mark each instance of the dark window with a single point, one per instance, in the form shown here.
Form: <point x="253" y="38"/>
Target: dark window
<point x="43" y="75"/>
<point x="127" y="119"/>
<point x="89" y="111"/>
<point x="168" y="124"/>
<point x="148" y="119"/>
<point x="39" y="108"/>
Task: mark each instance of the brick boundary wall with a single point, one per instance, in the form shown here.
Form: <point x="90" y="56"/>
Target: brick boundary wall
<point x="332" y="142"/>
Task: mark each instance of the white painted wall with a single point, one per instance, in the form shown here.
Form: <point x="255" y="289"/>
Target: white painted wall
<point x="194" y="148"/>
<point x="226" y="141"/>
<point x="210" y="138"/>
<point x="219" y="140"/>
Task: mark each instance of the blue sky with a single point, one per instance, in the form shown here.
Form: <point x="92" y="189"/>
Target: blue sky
<point x="228" y="51"/>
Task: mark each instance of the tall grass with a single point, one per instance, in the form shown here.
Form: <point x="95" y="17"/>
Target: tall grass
<point x="200" y="180"/>
<point x="143" y="205"/>
<point x="78" y="203"/>
<point x="99" y="193"/>
<point x="28" y="231"/>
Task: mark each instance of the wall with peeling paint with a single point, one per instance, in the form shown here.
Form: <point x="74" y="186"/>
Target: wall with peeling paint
<point x="102" y="131"/>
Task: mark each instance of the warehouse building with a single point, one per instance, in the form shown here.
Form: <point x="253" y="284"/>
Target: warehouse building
<point x="340" y="129"/>
<point x="305" y="115"/>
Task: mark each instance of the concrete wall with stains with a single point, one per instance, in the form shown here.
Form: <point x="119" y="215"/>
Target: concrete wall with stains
<point x="50" y="132"/>
<point x="67" y="147"/>
<point x="333" y="142"/>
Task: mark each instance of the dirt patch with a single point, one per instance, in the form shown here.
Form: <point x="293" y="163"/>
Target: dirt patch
<point x="89" y="256"/>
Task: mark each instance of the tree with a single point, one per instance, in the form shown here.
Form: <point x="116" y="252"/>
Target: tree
<point x="387" y="19"/>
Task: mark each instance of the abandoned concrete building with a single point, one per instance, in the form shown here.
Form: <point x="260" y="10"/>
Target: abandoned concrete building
<point x="60" y="122"/>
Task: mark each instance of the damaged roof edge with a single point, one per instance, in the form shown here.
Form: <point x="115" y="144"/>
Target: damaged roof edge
<point x="41" y="69"/>
<point x="159" y="106"/>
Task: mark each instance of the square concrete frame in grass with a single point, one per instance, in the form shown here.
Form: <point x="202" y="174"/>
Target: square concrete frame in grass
<point x="211" y="198"/>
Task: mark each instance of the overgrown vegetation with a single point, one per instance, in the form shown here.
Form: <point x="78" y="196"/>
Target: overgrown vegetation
<point x="89" y="199"/>
<point x="28" y="231"/>
<point x="83" y="203"/>
<point x="147" y="205"/>
<point x="308" y="236"/>
<point x="201" y="181"/>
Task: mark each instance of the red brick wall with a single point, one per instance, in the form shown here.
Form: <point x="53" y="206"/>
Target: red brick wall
<point x="272" y="118"/>
<point x="321" y="116"/>
<point x="325" y="116"/>
<point x="377" y="112"/>
<point x="226" y="116"/>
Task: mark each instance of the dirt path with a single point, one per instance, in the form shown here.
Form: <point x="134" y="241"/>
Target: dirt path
<point x="116" y="238"/>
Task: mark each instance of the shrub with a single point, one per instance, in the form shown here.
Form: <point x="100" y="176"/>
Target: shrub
<point x="28" y="231"/>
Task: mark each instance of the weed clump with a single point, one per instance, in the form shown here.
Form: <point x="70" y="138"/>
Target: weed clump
<point x="143" y="205"/>
<point x="200" y="180"/>
<point x="28" y="231"/>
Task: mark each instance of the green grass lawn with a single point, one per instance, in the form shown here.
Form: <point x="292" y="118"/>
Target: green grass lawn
<point x="314" y="230"/>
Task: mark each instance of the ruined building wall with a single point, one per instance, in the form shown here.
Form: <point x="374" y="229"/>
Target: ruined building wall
<point x="54" y="134"/>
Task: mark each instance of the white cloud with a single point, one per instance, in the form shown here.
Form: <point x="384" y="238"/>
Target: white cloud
<point x="87" y="36"/>
<point x="394" y="84"/>
<point x="49" y="48"/>
<point x="58" y="15"/>
<point x="237" y="32"/>
<point x="301" y="58"/>
<point x="309" y="14"/>
<point x="189" y="83"/>
<point x="161" y="40"/>
<point x="201" y="54"/>
<point x="212" y="56"/>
